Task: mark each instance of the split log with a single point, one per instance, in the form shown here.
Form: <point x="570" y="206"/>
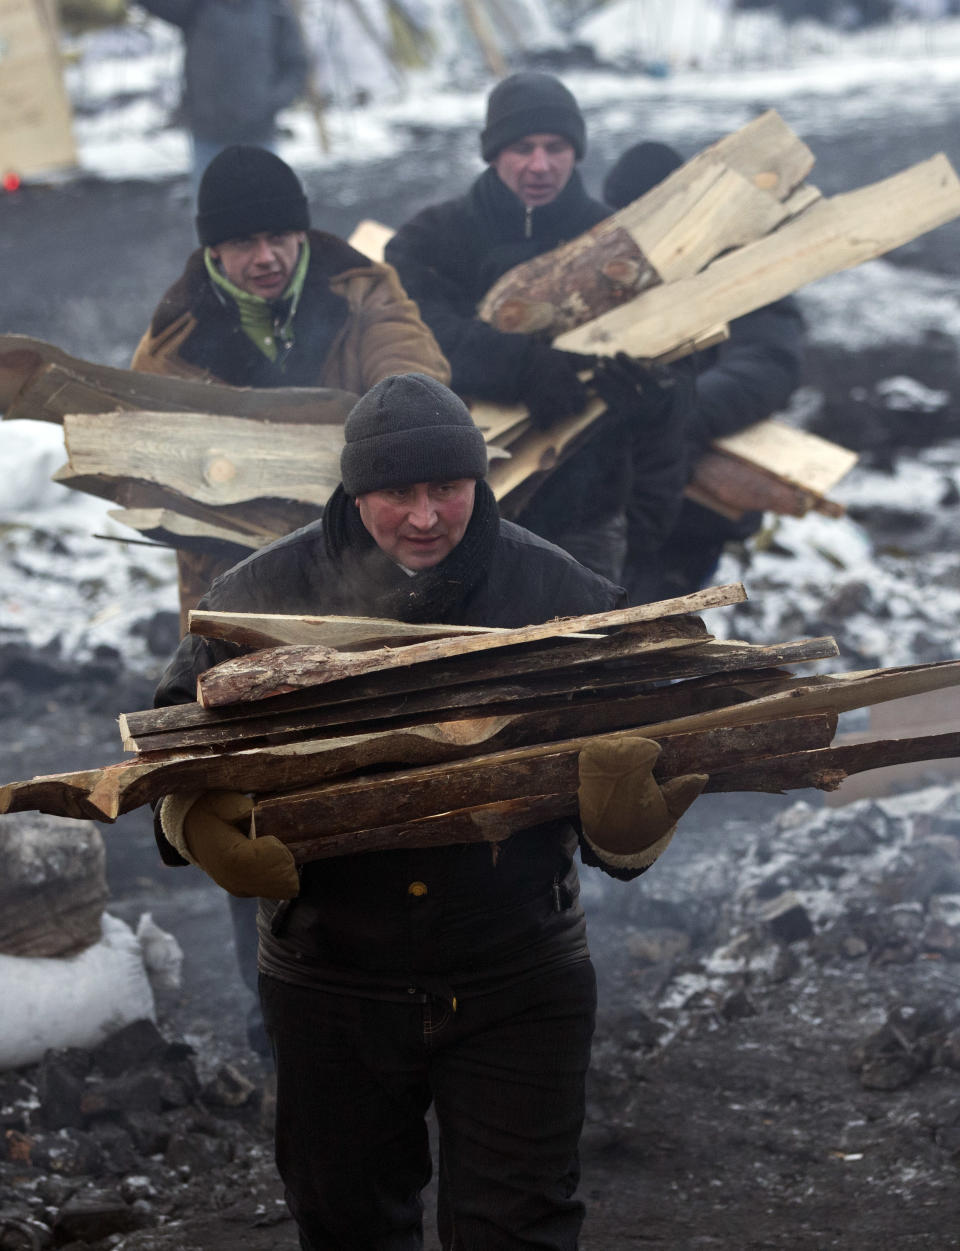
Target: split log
<point x="158" y="733"/>
<point x="43" y="383"/>
<point x="701" y="210"/>
<point x="227" y="462"/>
<point x="770" y="467"/>
<point x="172" y="529"/>
<point x="824" y="769"/>
<point x="276" y="629"/>
<point x="676" y="714"/>
<point x="833" y="234"/>
<point x="827" y="767"/>
<point x="278" y="670"/>
<point x="552" y="768"/>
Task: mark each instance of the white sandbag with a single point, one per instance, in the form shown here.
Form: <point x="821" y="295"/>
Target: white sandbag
<point x="72" y="1001"/>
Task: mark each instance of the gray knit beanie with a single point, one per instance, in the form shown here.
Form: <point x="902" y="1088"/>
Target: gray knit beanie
<point x="409" y="428"/>
<point x="531" y="103"/>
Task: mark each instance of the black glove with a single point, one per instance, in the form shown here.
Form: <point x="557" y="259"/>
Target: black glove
<point x="633" y="389"/>
<point x="549" y="385"/>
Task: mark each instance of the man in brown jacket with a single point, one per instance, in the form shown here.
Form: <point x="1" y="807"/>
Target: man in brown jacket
<point x="267" y="302"/>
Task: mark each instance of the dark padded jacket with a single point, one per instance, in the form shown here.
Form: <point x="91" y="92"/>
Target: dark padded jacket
<point x="450" y="255"/>
<point x="244" y="61"/>
<point x="485" y="917"/>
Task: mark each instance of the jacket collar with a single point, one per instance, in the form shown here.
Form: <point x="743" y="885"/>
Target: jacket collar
<point x="514" y="220"/>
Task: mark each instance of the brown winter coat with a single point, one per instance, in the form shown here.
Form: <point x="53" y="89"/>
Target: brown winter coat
<point x="354" y="326"/>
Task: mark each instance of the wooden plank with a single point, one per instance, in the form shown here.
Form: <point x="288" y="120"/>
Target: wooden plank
<point x="155" y="734"/>
<point x="410" y="794"/>
<point x="226" y="461"/>
<point x="371" y="237"/>
<point x="276" y="670"/>
<point x="832" y="235"/>
<point x="44" y="383"/>
<point x="173" y="529"/>
<point x="276" y="629"/>
<point x="826" y="768"/>
<point x="732" y="487"/>
<point x="795" y="456"/>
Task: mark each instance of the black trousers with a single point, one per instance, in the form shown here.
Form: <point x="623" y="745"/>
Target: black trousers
<point x="506" y="1074"/>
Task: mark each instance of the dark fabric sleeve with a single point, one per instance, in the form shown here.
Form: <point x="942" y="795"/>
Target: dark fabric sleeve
<point x="291" y="63"/>
<point x="177" y="12"/>
<point x="660" y="462"/>
<point x="485" y="363"/>
<point x="755" y="372"/>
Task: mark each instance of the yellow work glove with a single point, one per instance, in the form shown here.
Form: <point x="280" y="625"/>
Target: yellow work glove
<point x="212" y="831"/>
<point x="628" y="818"/>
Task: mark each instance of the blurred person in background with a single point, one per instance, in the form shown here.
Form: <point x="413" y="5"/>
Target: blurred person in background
<point x="244" y="61"/>
<point x="739" y="382"/>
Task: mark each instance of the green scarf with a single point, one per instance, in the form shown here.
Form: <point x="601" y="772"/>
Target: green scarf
<point x="268" y="324"/>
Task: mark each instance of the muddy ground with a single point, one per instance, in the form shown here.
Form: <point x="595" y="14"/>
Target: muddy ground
<point x="729" y="1107"/>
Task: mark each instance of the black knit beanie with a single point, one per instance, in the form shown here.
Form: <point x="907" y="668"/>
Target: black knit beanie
<point x="639" y="170"/>
<point x="245" y="190"/>
<point x="531" y="103"/>
<point x="409" y="428"/>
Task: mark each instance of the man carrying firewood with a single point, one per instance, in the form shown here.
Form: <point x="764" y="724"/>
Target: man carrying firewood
<point x="457" y="975"/>
<point x="742" y="381"/>
<point x="529" y="200"/>
<point x="267" y="302"/>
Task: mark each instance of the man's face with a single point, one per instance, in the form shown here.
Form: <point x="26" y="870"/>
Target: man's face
<point x="536" y="168"/>
<point x="260" y="264"/>
<point x="419" y="525"/>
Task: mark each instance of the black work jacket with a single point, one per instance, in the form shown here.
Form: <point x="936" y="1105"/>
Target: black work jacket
<point x="484" y="918"/>
<point x="450" y="255"/>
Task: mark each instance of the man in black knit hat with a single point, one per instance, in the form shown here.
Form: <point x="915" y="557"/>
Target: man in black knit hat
<point x="455" y="975"/>
<point x="529" y="200"/>
<point x="266" y="302"/>
<point x="744" y="380"/>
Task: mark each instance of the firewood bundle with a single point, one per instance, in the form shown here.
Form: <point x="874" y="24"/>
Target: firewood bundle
<point x="200" y="465"/>
<point x="357" y="734"/>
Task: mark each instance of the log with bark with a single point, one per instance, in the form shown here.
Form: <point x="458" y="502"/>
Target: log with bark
<point x="398" y="755"/>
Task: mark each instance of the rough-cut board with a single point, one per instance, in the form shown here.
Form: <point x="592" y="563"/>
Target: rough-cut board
<point x="277" y="629"/>
<point x="546" y="768"/>
<point x="172" y="529"/>
<point x="731" y="487"/>
<point x="43" y="383"/>
<point x="824" y="769"/>
<point x="833" y="234"/>
<point x="807" y="461"/>
<point x="226" y="462"/>
<point x="674" y="716"/>
<point x="285" y="668"/>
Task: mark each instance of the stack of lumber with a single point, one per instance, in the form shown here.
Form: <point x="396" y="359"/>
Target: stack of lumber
<point x="730" y="231"/>
<point x="357" y="734"/>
